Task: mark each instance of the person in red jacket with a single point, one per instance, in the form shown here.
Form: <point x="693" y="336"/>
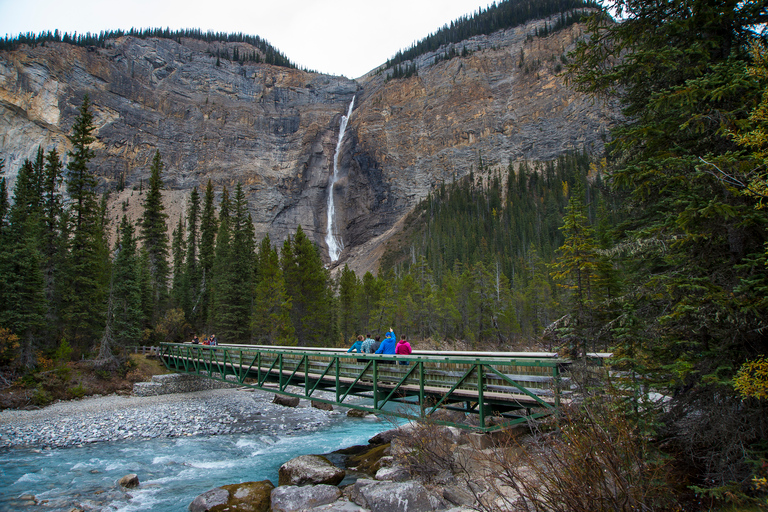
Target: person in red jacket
<point x="403" y="348"/>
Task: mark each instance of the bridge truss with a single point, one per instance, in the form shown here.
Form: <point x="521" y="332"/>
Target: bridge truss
<point x="493" y="389"/>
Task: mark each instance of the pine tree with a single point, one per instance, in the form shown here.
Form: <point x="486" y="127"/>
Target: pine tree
<point x="192" y="269"/>
<point x="272" y="305"/>
<point x="307" y="282"/>
<point x="22" y="287"/>
<point x="85" y="281"/>
<point x="127" y="314"/>
<point x="222" y="268"/>
<point x="179" y="289"/>
<point x="154" y="234"/>
<point x="349" y="286"/>
<point x="208" y="228"/>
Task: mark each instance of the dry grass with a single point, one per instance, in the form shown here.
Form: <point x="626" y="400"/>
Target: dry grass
<point x="75" y="380"/>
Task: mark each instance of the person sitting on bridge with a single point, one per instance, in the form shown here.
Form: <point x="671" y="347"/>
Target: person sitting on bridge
<point x="357" y="346"/>
<point x="367" y="346"/>
<point x="389" y="344"/>
<point x="403" y="348"/>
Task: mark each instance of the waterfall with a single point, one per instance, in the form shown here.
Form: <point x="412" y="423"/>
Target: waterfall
<point x="332" y="238"/>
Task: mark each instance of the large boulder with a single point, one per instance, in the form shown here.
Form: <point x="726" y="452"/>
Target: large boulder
<point x="290" y="498"/>
<point x="245" y="497"/>
<point x="398" y="497"/>
<point x="310" y="470"/>
<point x="129" y="481"/>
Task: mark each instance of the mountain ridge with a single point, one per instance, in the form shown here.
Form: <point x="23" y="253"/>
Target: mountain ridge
<point x="274" y="129"/>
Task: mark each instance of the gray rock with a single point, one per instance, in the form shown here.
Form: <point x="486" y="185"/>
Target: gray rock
<point x="206" y="501"/>
<point x="400" y="497"/>
<point x="309" y="470"/>
<point x="290" y="498"/>
<point x="129" y="481"/>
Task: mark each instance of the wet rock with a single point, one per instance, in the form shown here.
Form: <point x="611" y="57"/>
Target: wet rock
<point x="129" y="481"/>
<point x="321" y="405"/>
<point x="310" y="469"/>
<point x="209" y="499"/>
<point x="286" y="401"/>
<point x="290" y="498"/>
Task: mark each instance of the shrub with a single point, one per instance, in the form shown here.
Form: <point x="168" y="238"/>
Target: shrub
<point x="592" y="460"/>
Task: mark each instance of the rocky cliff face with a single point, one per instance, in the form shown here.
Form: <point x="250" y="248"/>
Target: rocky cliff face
<point x="275" y="130"/>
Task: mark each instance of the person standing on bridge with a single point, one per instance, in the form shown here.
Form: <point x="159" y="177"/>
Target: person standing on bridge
<point x="403" y="348"/>
<point x="367" y="347"/>
<point x="357" y="346"/>
<point x="389" y="344"/>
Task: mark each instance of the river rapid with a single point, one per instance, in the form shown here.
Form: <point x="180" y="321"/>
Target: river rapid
<point x="72" y="453"/>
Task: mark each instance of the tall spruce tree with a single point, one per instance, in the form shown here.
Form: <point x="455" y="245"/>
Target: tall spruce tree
<point x="272" y="304"/>
<point x="208" y="228"/>
<point x="192" y="268"/>
<point x="22" y="287"/>
<point x="308" y="284"/>
<point x="680" y="71"/>
<point x="178" y="287"/>
<point x="222" y="269"/>
<point x="154" y="234"/>
<point x="85" y="281"/>
<point x="127" y="315"/>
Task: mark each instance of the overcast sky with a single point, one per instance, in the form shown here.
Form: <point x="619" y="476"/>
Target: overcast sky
<point x="341" y="37"/>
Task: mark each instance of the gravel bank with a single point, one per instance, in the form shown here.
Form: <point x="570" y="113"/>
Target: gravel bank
<point x="114" y="418"/>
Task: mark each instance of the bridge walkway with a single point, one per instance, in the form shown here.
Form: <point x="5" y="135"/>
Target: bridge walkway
<point x="492" y="389"/>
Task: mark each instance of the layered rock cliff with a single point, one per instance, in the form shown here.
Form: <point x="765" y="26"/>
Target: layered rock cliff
<point x="275" y="129"/>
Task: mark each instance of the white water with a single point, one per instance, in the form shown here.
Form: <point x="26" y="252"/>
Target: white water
<point x="172" y="471"/>
<point x="333" y="238"/>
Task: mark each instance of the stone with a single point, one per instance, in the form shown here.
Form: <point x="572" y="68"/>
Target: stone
<point x="129" y="481"/>
<point x="308" y="470"/>
<point x="243" y="497"/>
<point x="208" y="500"/>
<point x="357" y="413"/>
<point x="286" y="401"/>
<point x="400" y="497"/>
<point x="321" y="405"/>
<point x="290" y="498"/>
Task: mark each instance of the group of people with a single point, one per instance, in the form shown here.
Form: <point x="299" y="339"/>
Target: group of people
<point x="389" y="345"/>
<point x="208" y="340"/>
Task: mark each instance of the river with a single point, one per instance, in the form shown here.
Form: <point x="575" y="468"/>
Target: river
<point x="172" y="470"/>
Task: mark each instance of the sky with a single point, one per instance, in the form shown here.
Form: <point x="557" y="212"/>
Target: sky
<point x="340" y="37"/>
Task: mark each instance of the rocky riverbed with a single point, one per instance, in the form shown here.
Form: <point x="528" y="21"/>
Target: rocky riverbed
<point x="115" y="418"/>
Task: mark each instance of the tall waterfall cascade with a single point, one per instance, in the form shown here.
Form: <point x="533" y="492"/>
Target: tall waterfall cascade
<point x="332" y="237"/>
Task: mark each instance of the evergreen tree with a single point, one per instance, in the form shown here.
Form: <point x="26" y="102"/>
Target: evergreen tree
<point x="85" y="280"/>
<point x="576" y="270"/>
<point x="208" y="228"/>
<point x="272" y="304"/>
<point x="348" y="292"/>
<point x="192" y="270"/>
<point x="127" y="313"/>
<point x="154" y="234"/>
<point x="22" y="287"/>
<point x="307" y="283"/>
<point x="222" y="268"/>
<point x="178" y="288"/>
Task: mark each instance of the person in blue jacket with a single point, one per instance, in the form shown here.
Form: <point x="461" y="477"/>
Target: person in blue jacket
<point x="389" y="344"/>
<point x="357" y="346"/>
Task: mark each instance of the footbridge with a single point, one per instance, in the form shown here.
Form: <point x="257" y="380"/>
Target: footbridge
<point x="494" y="388"/>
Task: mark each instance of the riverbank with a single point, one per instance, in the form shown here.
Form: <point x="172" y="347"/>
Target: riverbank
<point x="117" y="417"/>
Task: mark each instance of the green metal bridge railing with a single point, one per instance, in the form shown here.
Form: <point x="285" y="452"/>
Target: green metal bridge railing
<point x="498" y="389"/>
